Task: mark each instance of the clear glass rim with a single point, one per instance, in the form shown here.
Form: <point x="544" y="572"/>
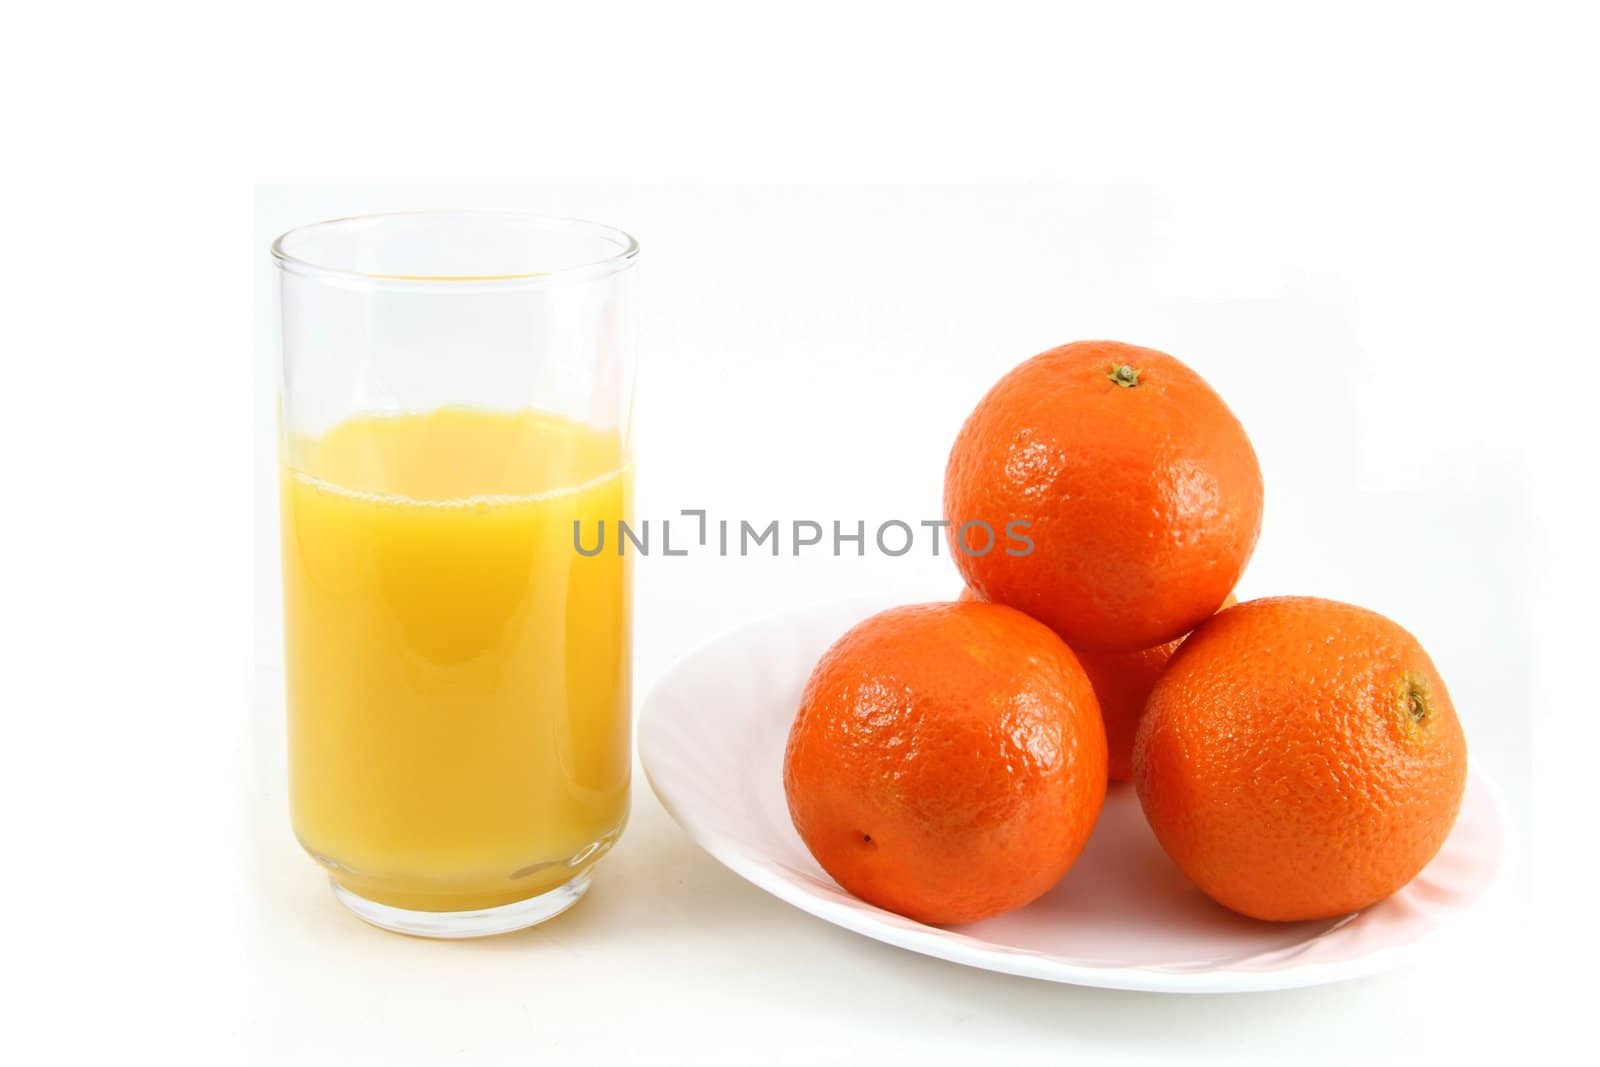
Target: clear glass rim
<point x="627" y="251"/>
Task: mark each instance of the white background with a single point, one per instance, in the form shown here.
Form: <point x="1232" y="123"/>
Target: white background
<point x="1372" y="229"/>
<point x="811" y="353"/>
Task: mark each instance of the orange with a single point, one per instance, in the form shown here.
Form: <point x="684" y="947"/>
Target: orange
<point x="1135" y="484"/>
<point x="1300" y="758"/>
<point x="947" y="762"/>
<point x="1122" y="683"/>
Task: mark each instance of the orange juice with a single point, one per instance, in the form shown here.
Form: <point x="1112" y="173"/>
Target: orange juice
<point x="458" y="673"/>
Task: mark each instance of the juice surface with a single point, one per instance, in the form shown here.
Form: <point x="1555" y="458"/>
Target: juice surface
<point x="458" y="673"/>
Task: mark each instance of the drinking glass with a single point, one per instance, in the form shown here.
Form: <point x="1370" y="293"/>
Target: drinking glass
<point x="455" y="408"/>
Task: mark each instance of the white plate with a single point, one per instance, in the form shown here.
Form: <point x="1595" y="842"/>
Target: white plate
<point x="711" y="738"/>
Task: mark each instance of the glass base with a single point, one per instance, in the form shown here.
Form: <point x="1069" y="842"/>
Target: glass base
<point x="483" y="922"/>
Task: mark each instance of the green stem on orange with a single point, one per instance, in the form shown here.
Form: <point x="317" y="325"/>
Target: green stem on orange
<point x="1124" y="376"/>
<point x="1418" y="704"/>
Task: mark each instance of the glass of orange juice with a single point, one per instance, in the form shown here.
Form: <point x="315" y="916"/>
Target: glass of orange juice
<point x="455" y="405"/>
